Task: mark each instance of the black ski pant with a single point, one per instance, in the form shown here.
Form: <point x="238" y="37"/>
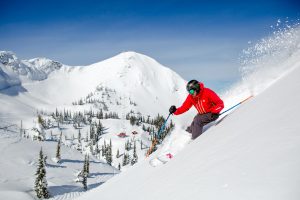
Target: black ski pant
<point x="200" y="120"/>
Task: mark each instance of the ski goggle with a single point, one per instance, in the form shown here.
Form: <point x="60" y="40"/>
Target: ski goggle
<point x="191" y="91"/>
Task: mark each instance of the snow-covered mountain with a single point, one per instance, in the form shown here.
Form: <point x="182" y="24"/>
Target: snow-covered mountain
<point x="35" y="69"/>
<point x="131" y="78"/>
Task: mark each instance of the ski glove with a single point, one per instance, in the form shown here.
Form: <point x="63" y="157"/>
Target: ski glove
<point x="172" y="109"/>
<point x="214" y="116"/>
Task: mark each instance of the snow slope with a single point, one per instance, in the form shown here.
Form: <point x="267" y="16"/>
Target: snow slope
<point x="252" y="154"/>
<point x="18" y="164"/>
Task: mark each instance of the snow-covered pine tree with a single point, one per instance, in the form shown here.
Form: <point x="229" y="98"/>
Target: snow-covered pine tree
<point x="41" y="185"/>
<point x="21" y="129"/>
<point x="97" y="151"/>
<point x="108" y="154"/>
<point x="100" y="131"/>
<point x="103" y="150"/>
<point x="125" y="158"/>
<point x="84" y="174"/>
<point x="128" y="158"/>
<point x="79" y="136"/>
<point x="92" y="133"/>
<point x="41" y="121"/>
<point x="58" y="156"/>
<point x="132" y="120"/>
<point x="134" y="156"/>
<point x="118" y="154"/>
<point x="87" y="165"/>
<point x="127" y="145"/>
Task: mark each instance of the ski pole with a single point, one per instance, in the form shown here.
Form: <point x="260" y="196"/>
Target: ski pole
<point x="158" y="133"/>
<point x="163" y="126"/>
<point x="236" y="105"/>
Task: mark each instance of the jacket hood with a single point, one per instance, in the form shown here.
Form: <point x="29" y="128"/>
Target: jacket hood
<point x="201" y="86"/>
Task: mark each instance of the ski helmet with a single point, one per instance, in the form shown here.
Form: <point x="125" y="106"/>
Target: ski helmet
<point x="193" y="86"/>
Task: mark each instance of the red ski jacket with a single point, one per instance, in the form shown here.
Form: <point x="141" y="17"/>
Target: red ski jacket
<point x="206" y="101"/>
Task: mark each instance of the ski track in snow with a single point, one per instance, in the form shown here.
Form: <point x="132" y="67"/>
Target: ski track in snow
<point x="72" y="195"/>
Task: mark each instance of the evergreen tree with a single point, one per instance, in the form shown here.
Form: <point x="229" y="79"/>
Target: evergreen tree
<point x="84" y="174"/>
<point x="134" y="157"/>
<point x="58" y="155"/>
<point x="97" y="151"/>
<point x="100" y="131"/>
<point x="125" y="158"/>
<point x="56" y="113"/>
<point x="41" y="121"/>
<point x="118" y="154"/>
<point x="21" y="129"/>
<point x="108" y="154"/>
<point x="41" y="184"/>
<point x="101" y="114"/>
<point x="92" y="133"/>
<point x="103" y="150"/>
<point x="79" y="136"/>
<point x="132" y="120"/>
<point x="119" y="166"/>
<point x="88" y="165"/>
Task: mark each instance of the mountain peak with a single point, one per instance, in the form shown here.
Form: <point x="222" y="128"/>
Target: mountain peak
<point x="45" y="64"/>
<point x="132" y="55"/>
<point x="7" y="57"/>
<point x="34" y="69"/>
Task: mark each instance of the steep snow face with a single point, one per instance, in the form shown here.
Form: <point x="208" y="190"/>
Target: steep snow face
<point x="35" y="69"/>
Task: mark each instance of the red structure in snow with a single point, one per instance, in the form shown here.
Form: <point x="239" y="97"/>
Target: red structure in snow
<point x="122" y="135"/>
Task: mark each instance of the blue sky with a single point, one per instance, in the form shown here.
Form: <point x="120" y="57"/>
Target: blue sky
<point x="197" y="39"/>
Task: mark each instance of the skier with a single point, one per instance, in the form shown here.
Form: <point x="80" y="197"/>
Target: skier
<point x="207" y="103"/>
